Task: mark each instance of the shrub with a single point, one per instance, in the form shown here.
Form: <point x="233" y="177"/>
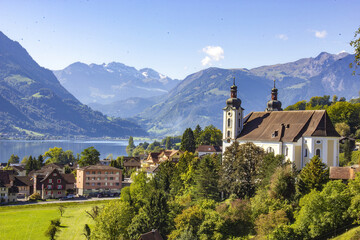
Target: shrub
<point x="35" y="197"/>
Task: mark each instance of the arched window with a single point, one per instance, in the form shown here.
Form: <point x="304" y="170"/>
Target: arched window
<point x="269" y="150"/>
<point x="239" y="123"/>
<point x="305" y="154"/>
<point x="317" y="152"/>
<point x="286" y="151"/>
<point x="228" y="134"/>
<point x="228" y="122"/>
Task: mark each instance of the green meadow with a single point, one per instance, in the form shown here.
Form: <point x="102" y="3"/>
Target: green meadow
<point x="31" y="221"/>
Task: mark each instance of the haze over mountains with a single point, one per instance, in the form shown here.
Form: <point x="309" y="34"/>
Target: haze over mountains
<point x="34" y="103"/>
<point x="200" y="97"/>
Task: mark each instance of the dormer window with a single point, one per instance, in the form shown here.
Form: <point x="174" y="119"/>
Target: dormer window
<point x="275" y="134"/>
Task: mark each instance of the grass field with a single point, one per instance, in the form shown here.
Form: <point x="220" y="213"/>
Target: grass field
<point x="353" y="234"/>
<point x="31" y="221"/>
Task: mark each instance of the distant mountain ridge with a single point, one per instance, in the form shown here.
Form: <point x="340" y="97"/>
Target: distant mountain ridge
<point x="200" y="97"/>
<point x="108" y="83"/>
<point x="34" y="103"/>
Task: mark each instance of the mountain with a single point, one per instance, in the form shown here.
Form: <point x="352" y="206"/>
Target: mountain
<point x="200" y="97"/>
<point x="124" y="108"/>
<point x="33" y="102"/>
<point x="109" y="83"/>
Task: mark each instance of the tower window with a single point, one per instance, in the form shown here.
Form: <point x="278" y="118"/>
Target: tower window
<point x="286" y="151"/>
<point x="317" y="152"/>
<point x="239" y="123"/>
<point x="228" y="122"/>
<point x="305" y="155"/>
<point x="228" y="133"/>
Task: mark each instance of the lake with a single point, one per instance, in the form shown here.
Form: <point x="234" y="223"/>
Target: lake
<point x="24" y="148"/>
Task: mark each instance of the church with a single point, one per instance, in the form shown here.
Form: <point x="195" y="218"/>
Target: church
<point x="298" y="135"/>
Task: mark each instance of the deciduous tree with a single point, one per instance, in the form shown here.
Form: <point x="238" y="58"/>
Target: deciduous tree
<point x="89" y="156"/>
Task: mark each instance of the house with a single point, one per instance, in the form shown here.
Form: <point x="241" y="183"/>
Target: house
<point x="8" y="192"/>
<point x="344" y="173"/>
<point x="21" y="171"/>
<point x="132" y="163"/>
<point x="24" y="185"/>
<point x="298" y="135"/>
<point x="208" y="150"/>
<point x="52" y="183"/>
<point x="170" y="155"/>
<point x="98" y="179"/>
<point x="153" y="235"/>
<point x="58" y="166"/>
<point x="151" y="161"/>
<point x="105" y="161"/>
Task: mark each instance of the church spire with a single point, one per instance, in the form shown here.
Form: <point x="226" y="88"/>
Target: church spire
<point x="274" y="104"/>
<point x="233" y="91"/>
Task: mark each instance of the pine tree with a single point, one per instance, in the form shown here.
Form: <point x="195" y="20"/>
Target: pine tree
<point x="313" y="176"/>
<point x="197" y="133"/>
<point x="188" y="141"/>
<point x="130" y="147"/>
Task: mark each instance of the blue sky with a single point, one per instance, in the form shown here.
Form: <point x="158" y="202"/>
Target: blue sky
<point x="178" y="38"/>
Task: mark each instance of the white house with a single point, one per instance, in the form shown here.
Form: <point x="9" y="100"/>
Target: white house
<point x="298" y="135"/>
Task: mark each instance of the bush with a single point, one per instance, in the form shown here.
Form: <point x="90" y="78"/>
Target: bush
<point x="34" y="197"/>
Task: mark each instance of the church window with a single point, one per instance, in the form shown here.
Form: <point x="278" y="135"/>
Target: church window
<point x="318" y="142"/>
<point x="228" y="122"/>
<point x="317" y="152"/>
<point x="286" y="151"/>
<point x="269" y="150"/>
<point x="228" y="134"/>
<point x="239" y="123"/>
<point x="305" y="154"/>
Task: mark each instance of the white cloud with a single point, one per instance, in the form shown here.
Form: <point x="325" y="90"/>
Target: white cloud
<point x="214" y="53"/>
<point x="282" y="37"/>
<point x="320" y="34"/>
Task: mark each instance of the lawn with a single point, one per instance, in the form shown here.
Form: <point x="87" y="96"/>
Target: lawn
<point x="353" y="234"/>
<point x="31" y="221"/>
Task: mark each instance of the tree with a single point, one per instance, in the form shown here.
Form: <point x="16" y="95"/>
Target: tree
<point x="53" y="229"/>
<point x="343" y="129"/>
<point x="14" y="159"/>
<point x="113" y="221"/>
<point x="61" y="209"/>
<point x="210" y="136"/>
<point x="90" y="156"/>
<point x="94" y="212"/>
<point x="334" y="99"/>
<point x="313" y="176"/>
<point x="197" y="133"/>
<point x="297" y="106"/>
<point x="266" y="223"/>
<point x="321" y="212"/>
<point x="342" y="99"/>
<point x="188" y="141"/>
<point x="130" y="147"/>
<point x="282" y="184"/>
<point x="168" y="144"/>
<point x="31" y="164"/>
<point x="207" y="178"/>
<point x="241" y="169"/>
<point x="58" y="155"/>
<point x="153" y="215"/>
<point x="87" y="232"/>
<point x="40" y="161"/>
<point x="356" y="45"/>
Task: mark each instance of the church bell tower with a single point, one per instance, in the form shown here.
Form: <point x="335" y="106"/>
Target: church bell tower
<point x="232" y="117"/>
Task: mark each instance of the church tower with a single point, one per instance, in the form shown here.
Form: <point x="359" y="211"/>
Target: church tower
<point x="233" y="116"/>
<point x="273" y="104"/>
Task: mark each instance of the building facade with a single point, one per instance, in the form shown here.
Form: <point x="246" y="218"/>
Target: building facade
<point x="98" y="179"/>
<point x="298" y="135"/>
